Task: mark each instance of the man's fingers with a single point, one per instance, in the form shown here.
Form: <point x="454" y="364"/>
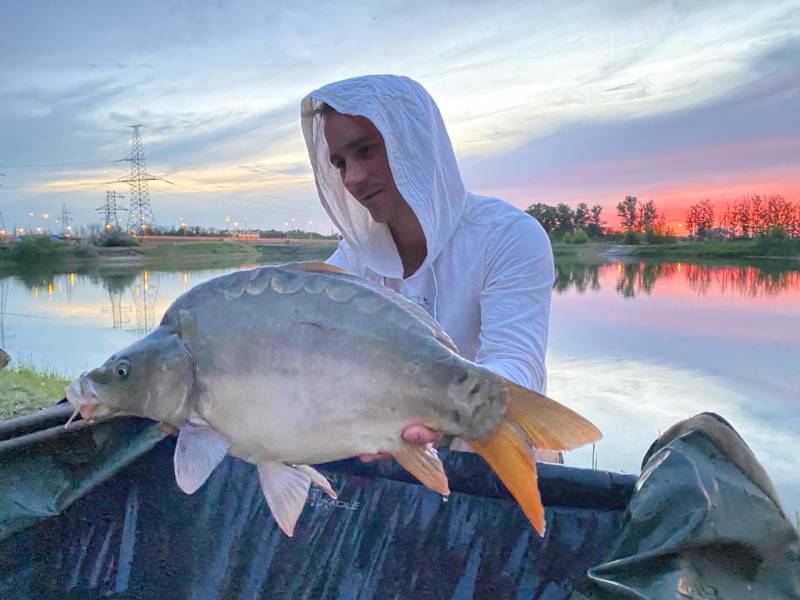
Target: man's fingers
<point x="419" y="434"/>
<point x="413" y="434"/>
<point x="169" y="429"/>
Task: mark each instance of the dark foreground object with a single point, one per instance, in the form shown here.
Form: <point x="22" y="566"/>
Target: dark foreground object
<point x="95" y="513"/>
<point x="134" y="534"/>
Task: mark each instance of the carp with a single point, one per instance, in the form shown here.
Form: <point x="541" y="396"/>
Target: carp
<point x="290" y="366"/>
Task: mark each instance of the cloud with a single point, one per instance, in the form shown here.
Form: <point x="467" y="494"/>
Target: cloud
<point x="750" y="131"/>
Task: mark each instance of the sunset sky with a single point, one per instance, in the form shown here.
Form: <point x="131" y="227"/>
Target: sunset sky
<point x="545" y="102"/>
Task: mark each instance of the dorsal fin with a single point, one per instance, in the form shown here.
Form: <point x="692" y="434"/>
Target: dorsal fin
<point x="314" y="267"/>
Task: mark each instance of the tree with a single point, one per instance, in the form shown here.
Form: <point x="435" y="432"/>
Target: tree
<point x="595" y="225"/>
<point x="700" y="218"/>
<point x="564" y="219"/>
<point x="627" y="212"/>
<point x="580" y="220"/>
<point x="740" y="217"/>
<point x="545" y="214"/>
<point x="647" y="215"/>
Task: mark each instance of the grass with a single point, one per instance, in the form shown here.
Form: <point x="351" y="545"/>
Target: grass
<point x="183" y="249"/>
<point x="739" y="249"/>
<point x="296" y="252"/>
<point x="25" y="389"/>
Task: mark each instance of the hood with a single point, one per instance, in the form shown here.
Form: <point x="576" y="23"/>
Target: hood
<point x="420" y="156"/>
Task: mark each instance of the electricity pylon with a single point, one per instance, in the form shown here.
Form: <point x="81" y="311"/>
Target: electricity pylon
<point x="110" y="209"/>
<point x="66" y="227"/>
<point x="140" y="213"/>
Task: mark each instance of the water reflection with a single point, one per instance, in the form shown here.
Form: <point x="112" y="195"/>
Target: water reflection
<point x="632" y="278"/>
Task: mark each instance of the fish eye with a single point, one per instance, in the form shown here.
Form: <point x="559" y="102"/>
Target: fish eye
<point x="122" y="369"/>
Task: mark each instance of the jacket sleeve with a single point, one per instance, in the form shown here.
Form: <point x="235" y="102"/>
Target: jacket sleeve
<point x="515" y="304"/>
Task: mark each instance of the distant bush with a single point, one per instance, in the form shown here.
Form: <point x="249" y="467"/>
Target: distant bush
<point x="776" y="232"/>
<point x="577" y="237"/>
<point x="775" y="246"/>
<point x="116" y="239"/>
<point x="653" y="235"/>
<point x="33" y="249"/>
<point x="632" y="238"/>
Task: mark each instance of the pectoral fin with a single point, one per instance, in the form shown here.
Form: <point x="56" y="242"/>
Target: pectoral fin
<point x="424" y="464"/>
<point x="198" y="452"/>
<point x="286" y="490"/>
<point x="317" y="479"/>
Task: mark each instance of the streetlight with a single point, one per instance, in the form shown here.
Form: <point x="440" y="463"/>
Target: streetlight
<point x="310" y="233"/>
<point x="30" y="216"/>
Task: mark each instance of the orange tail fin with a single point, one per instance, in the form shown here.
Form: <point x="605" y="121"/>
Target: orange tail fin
<point x="531" y="421"/>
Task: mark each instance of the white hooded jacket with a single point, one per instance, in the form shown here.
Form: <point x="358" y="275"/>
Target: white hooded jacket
<point x="488" y="274"/>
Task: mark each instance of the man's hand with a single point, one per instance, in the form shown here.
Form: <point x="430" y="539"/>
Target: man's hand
<point x="413" y="434"/>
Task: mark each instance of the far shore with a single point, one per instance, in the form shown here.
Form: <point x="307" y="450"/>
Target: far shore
<point x="787" y="250"/>
<point x="174" y="252"/>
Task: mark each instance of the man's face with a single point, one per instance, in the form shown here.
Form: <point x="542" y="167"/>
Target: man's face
<point x="358" y="152"/>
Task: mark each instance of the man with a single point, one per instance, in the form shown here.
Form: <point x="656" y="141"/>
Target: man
<point x="387" y="177"/>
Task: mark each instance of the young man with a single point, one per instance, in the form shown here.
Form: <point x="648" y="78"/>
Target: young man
<point x="388" y="178"/>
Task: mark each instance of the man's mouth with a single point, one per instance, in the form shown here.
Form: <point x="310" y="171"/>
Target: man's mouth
<point x="368" y="197"/>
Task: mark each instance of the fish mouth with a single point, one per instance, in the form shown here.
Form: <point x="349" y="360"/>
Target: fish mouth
<point x="82" y="394"/>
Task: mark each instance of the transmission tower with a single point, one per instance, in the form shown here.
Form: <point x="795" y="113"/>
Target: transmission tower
<point x="66" y="228"/>
<point x="110" y="209"/>
<point x="2" y="223"/>
<point x="140" y="213"/>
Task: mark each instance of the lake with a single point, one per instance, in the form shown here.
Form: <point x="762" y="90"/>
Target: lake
<point x="634" y="346"/>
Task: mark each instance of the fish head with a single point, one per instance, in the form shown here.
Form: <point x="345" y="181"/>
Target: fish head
<point x="153" y="378"/>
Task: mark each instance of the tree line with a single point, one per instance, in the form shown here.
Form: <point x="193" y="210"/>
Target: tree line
<point x="753" y="216"/>
<point x="572" y="225"/>
<point x="638" y="220"/>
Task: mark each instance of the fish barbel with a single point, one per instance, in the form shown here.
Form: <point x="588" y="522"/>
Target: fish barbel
<point x="290" y="366"/>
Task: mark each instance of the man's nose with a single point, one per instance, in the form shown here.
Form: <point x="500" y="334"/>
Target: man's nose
<point x="354" y="176"/>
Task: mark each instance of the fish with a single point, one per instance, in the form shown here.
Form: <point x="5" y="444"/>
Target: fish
<point x="290" y="366"/>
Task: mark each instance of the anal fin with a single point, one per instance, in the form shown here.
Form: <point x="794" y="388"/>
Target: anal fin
<point x="424" y="464"/>
<point x="318" y="479"/>
<point x="286" y="490"/>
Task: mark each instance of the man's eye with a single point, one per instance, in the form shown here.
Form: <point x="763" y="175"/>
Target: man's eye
<point x="339" y="164"/>
<point x="363" y="150"/>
